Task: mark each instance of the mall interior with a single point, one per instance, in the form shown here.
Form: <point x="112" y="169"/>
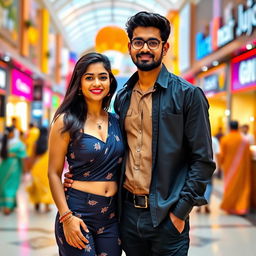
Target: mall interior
<point x="212" y="45"/>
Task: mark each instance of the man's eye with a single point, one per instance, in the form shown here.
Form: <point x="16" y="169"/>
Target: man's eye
<point x="153" y="43"/>
<point x="138" y="43"/>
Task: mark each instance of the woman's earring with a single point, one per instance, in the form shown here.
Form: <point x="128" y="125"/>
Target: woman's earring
<point x="80" y="92"/>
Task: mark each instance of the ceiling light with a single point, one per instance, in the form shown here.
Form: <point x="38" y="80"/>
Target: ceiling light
<point x="248" y="46"/>
<point x="204" y="68"/>
<point x="227" y="112"/>
<point x="215" y="63"/>
<point x="6" y="58"/>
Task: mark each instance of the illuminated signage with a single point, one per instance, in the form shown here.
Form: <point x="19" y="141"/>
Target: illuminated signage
<point x="213" y="81"/>
<point x="245" y="24"/>
<point x="47" y="97"/>
<point x="244" y="71"/>
<point x="3" y="78"/>
<point x="22" y="85"/>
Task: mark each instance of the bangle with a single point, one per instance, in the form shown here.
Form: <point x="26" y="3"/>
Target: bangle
<point x="66" y="218"/>
<point x="65" y="214"/>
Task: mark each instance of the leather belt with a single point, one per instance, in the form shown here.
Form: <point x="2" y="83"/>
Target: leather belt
<point x="139" y="201"/>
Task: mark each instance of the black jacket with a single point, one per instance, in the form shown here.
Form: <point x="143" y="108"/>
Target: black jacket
<point x="182" y="162"/>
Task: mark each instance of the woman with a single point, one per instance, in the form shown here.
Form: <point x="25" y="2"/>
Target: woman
<point x="90" y="138"/>
<point x="39" y="190"/>
<point x="13" y="152"/>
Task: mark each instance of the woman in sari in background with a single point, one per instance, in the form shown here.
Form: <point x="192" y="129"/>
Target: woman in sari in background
<point x="13" y="152"/>
<point x="39" y="191"/>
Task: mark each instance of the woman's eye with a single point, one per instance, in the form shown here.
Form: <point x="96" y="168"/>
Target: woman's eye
<point x="103" y="78"/>
<point x="88" y="78"/>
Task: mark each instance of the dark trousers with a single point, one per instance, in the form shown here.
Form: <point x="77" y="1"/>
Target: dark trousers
<point x="98" y="213"/>
<point x="140" y="238"/>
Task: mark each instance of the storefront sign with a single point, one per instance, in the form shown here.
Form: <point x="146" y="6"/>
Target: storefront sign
<point x="245" y="24"/>
<point x="246" y="18"/>
<point x="22" y="85"/>
<point x="55" y="101"/>
<point x="47" y="97"/>
<point x="213" y="81"/>
<point x="3" y="78"/>
<point x="244" y="71"/>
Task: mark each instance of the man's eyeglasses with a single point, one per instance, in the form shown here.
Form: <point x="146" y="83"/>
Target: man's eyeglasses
<point x="152" y="44"/>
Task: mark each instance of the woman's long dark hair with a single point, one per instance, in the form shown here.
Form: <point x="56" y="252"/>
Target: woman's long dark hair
<point x="4" y="149"/>
<point x="74" y="105"/>
<point x="42" y="142"/>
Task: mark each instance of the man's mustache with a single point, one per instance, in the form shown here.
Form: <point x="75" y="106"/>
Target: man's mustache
<point x="147" y="54"/>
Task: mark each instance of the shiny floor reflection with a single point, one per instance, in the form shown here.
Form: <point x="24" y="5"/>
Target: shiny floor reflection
<point x="27" y="233"/>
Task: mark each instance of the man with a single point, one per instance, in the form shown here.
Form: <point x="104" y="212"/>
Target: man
<point x="235" y="160"/>
<point x="168" y="161"/>
<point x="245" y="132"/>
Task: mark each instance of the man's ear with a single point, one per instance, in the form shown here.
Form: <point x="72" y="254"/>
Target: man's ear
<point x="129" y="47"/>
<point x="166" y="48"/>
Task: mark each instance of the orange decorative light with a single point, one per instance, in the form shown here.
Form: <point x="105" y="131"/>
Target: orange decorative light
<point x="111" y="38"/>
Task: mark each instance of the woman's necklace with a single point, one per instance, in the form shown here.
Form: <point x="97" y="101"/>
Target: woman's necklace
<point x="99" y="124"/>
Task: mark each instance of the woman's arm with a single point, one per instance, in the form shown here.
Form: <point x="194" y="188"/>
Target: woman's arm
<point x="58" y="144"/>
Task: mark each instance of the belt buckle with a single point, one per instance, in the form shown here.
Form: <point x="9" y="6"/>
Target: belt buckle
<point x="139" y="206"/>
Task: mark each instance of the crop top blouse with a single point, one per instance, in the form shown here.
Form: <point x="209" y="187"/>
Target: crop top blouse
<point x="91" y="159"/>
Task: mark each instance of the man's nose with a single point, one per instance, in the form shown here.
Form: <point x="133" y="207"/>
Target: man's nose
<point x="145" y="47"/>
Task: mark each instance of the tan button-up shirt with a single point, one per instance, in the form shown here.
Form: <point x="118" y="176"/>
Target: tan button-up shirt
<point x="138" y="127"/>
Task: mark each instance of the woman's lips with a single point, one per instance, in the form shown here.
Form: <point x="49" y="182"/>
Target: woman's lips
<point x="96" y="91"/>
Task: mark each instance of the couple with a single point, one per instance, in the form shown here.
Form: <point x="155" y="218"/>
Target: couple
<point x="152" y="164"/>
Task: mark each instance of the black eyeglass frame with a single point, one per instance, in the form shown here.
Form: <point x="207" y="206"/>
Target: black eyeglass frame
<point x="146" y="42"/>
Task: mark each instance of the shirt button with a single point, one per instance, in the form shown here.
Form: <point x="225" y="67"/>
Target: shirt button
<point x="140" y="131"/>
<point x="138" y="150"/>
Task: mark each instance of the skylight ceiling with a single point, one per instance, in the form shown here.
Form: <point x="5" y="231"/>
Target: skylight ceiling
<point x="80" y="20"/>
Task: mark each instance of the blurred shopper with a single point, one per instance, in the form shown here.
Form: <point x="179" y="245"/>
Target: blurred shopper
<point x="235" y="162"/>
<point x="12" y="153"/>
<point x="90" y="138"/>
<point x="245" y="132"/>
<point x="209" y="187"/>
<point x="39" y="190"/>
<point x="169" y="153"/>
<point x="219" y="134"/>
<point x="31" y="138"/>
<point x="16" y="127"/>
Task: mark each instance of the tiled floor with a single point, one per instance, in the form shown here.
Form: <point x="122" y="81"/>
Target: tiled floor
<point x="26" y="233"/>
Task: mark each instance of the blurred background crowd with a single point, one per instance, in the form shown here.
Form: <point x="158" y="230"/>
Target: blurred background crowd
<point x="213" y="45"/>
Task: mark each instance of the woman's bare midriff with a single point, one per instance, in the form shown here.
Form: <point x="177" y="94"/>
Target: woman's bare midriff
<point x="102" y="188"/>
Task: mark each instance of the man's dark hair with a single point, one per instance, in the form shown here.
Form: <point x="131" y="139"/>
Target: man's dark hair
<point x="149" y="19"/>
<point x="233" y="125"/>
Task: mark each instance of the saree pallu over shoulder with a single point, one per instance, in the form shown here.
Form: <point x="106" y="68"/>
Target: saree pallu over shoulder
<point x="237" y="174"/>
<point x="91" y="159"/>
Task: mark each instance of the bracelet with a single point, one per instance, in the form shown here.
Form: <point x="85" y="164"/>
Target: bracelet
<point x="66" y="218"/>
<point x="65" y="214"/>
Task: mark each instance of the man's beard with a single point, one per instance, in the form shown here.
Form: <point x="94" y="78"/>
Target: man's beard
<point x="145" y="66"/>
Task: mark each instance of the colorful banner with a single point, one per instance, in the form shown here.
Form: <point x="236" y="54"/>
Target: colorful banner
<point x="22" y="85"/>
<point x="243" y="70"/>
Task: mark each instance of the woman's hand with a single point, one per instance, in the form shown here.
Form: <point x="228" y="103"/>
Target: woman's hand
<point x="73" y="234"/>
<point x="68" y="180"/>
